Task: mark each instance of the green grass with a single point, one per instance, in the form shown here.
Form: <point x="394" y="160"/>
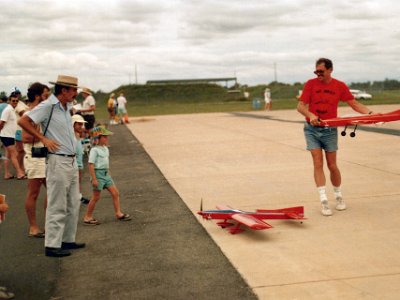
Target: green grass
<point x="173" y="107"/>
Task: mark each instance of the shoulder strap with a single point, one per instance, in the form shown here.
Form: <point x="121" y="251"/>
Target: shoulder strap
<point x="51" y="113"/>
<point x="45" y="130"/>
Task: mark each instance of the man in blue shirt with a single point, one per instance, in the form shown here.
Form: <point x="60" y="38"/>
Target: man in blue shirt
<point x="62" y="170"/>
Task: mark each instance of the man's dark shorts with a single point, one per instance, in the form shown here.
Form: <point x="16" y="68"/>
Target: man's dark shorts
<point x="90" y="121"/>
<point x="7" y="141"/>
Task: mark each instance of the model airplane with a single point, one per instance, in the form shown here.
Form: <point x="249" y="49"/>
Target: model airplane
<point x="252" y="220"/>
<point x="361" y="120"/>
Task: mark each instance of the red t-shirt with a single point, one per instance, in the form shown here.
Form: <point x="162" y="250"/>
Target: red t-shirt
<point x="323" y="98"/>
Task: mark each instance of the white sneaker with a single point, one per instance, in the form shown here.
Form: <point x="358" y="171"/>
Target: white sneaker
<point x="340" y="205"/>
<point x="325" y="210"/>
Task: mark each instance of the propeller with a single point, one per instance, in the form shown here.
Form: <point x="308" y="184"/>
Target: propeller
<point x="201" y="204"/>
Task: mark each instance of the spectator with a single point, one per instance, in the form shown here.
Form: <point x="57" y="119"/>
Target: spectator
<point x="35" y="166"/>
<point x="111" y="104"/>
<point x="88" y="108"/>
<point x="267" y="99"/>
<point x="8" y="127"/>
<point x="62" y="170"/>
<point x="78" y="124"/>
<point x="100" y="175"/>
<point x="7" y="174"/>
<point x="122" y="112"/>
<point x="19" y="111"/>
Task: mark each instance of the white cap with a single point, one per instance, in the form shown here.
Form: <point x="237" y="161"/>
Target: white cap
<point x="78" y="118"/>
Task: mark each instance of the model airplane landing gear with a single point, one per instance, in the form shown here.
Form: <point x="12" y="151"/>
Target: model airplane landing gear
<point x="343" y="133"/>
<point x="225" y="224"/>
<point x="236" y="229"/>
<point x="352" y="134"/>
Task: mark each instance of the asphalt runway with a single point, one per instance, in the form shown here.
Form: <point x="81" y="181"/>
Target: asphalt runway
<point x="163" y="253"/>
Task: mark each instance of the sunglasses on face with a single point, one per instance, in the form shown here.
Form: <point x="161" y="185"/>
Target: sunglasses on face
<point x="14" y="101"/>
<point x="319" y="72"/>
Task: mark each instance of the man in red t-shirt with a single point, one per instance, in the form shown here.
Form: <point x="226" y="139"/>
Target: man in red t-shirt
<point x="318" y="101"/>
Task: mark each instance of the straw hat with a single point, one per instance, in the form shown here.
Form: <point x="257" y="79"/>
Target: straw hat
<point x="65" y="80"/>
<point x="86" y="91"/>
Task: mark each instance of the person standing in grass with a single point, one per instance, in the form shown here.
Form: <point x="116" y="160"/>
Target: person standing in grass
<point x="100" y="176"/>
<point x="122" y="112"/>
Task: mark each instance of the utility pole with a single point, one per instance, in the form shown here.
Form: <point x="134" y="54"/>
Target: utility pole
<point x="129" y="74"/>
<point x="135" y="74"/>
<point x="275" y="73"/>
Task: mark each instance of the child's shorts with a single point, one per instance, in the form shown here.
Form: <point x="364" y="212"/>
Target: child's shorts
<point x="103" y="179"/>
<point x="321" y="138"/>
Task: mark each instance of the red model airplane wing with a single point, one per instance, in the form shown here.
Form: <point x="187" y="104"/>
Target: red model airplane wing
<point x="250" y="221"/>
<point x="363" y="119"/>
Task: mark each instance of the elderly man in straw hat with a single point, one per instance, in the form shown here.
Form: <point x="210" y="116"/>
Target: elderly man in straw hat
<point x="88" y="108"/>
<point x="62" y="170"/>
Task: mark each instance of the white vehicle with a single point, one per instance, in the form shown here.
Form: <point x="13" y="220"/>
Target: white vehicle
<point x="361" y="95"/>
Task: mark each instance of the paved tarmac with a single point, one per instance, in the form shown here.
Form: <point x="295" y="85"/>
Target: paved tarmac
<point x="258" y="160"/>
<point x="163" y="253"/>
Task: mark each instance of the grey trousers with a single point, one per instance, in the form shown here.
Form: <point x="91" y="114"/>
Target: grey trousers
<point x="63" y="203"/>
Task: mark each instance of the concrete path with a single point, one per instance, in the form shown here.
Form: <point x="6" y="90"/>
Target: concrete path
<point x="258" y="160"/>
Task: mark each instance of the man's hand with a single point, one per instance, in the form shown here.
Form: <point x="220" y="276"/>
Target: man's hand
<point x="50" y="144"/>
<point x="314" y="120"/>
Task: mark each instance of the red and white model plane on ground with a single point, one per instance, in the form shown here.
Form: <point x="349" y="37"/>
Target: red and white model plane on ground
<point x="252" y="220"/>
<point x="361" y="120"/>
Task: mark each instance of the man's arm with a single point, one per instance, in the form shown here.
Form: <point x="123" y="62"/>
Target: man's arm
<point x="303" y="109"/>
<point x="26" y="123"/>
<point x="91" y="108"/>
<point x="2" y="124"/>
<point x="359" y="107"/>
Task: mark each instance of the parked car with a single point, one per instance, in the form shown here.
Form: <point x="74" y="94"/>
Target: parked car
<point x="361" y="95"/>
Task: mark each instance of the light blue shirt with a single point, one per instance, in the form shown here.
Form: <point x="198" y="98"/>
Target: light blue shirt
<point x="60" y="128"/>
<point x="79" y="154"/>
<point x="2" y="107"/>
<point x="99" y="157"/>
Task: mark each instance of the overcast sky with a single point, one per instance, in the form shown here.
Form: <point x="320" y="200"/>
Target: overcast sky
<point x="101" y="42"/>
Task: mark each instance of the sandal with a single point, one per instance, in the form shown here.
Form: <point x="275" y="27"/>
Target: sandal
<point x="125" y="217"/>
<point x="8" y="178"/>
<point x="38" y="235"/>
<point x="22" y="177"/>
<point x="91" y="222"/>
<point x="4" y="294"/>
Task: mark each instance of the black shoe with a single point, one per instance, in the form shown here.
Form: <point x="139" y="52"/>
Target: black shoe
<point x="56" y="252"/>
<point x="85" y="200"/>
<point x="70" y="246"/>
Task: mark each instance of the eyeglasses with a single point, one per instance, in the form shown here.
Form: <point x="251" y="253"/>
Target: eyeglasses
<point x="319" y="72"/>
<point x="14" y="101"/>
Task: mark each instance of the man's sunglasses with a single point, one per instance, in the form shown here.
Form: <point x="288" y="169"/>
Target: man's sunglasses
<point x="14" y="101"/>
<point x="319" y="72"/>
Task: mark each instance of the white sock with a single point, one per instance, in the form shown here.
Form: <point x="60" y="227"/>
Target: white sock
<point x="337" y="191"/>
<point x="322" y="193"/>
